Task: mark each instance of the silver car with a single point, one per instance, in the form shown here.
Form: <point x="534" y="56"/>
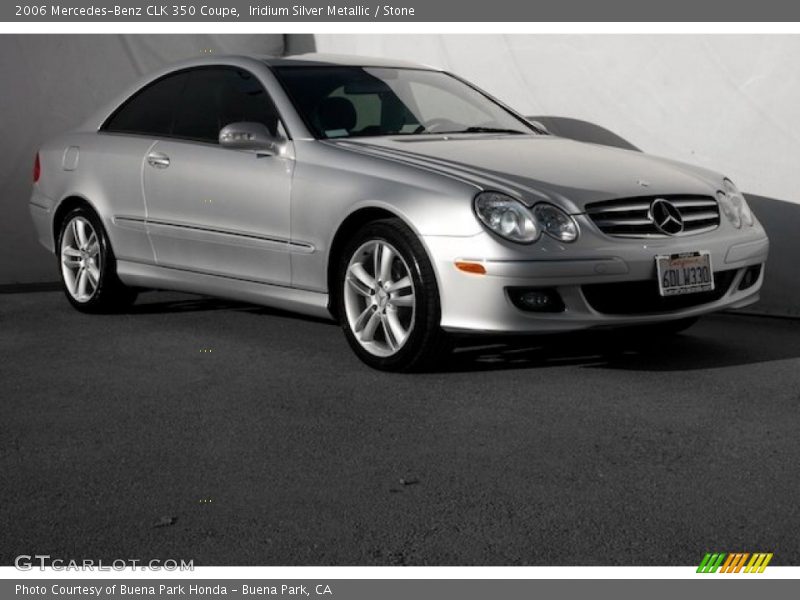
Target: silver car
<point x="396" y="198"/>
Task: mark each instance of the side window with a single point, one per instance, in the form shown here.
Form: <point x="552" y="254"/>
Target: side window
<point x="151" y="109"/>
<point x="215" y="97"/>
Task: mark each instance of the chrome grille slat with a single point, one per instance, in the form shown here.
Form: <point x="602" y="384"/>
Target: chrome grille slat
<point x="601" y="223"/>
<point x="694" y="203"/>
<point x="703" y="216"/>
<point x="630" y="217"/>
<point x="624" y="208"/>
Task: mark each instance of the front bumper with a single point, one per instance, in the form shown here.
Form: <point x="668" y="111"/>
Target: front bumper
<point x="481" y="303"/>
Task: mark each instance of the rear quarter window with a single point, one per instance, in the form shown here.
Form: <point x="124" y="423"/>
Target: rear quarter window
<point x="151" y="110"/>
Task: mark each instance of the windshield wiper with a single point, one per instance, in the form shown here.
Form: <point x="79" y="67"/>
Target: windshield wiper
<point x="483" y="130"/>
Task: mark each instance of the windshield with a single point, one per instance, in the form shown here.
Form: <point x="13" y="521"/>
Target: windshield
<point x="341" y="102"/>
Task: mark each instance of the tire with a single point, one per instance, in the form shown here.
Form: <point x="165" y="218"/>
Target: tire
<point x="87" y="265"/>
<point x="392" y="320"/>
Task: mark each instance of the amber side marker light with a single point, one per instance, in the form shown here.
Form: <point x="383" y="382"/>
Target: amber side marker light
<point x="470" y="267"/>
<point x="37" y="169"/>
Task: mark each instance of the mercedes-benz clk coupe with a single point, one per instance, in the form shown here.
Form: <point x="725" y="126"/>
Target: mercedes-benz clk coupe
<point x="398" y="199"/>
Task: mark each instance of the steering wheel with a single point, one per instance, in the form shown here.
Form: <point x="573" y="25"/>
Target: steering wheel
<point x="437" y="124"/>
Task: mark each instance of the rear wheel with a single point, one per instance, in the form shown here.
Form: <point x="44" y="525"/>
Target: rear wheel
<point x="388" y="300"/>
<point x="87" y="265"/>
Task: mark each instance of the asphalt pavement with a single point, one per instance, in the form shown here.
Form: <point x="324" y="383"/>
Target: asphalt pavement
<point x="229" y="434"/>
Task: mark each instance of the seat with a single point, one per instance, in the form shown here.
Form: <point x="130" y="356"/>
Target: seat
<point x="336" y="113"/>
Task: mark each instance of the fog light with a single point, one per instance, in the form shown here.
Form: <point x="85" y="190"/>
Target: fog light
<point x="750" y="277"/>
<point x="536" y="299"/>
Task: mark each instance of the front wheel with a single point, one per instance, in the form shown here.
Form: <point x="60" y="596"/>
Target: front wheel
<point x="388" y="300"/>
<point x="87" y="265"/>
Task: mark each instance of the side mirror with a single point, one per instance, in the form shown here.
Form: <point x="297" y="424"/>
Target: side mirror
<point x="248" y="135"/>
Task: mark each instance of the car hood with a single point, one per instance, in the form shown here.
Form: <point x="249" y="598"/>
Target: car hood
<point x="539" y="167"/>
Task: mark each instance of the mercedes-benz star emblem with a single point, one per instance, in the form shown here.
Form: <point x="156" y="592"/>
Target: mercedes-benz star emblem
<point x="643" y="183"/>
<point x="666" y="217"/>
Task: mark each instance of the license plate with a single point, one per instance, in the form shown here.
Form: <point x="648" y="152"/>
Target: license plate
<point x="687" y="273"/>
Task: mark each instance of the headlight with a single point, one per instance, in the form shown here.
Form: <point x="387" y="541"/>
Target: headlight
<point x="555" y="222"/>
<point x="507" y="217"/>
<point x="512" y="220"/>
<point x="734" y="206"/>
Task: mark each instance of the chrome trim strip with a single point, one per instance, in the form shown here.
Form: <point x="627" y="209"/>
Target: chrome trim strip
<point x="294" y="246"/>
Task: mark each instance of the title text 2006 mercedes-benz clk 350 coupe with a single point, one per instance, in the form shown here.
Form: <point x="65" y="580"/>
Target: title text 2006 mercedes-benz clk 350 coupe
<point x="399" y="199"/>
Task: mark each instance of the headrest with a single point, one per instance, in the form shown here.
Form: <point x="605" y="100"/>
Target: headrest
<point x="336" y="112"/>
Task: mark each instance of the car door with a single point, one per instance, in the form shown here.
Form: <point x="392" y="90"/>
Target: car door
<point x="217" y="210"/>
<point x="126" y="137"/>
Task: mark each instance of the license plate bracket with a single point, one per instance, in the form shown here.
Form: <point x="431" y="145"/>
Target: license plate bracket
<point x="684" y="273"/>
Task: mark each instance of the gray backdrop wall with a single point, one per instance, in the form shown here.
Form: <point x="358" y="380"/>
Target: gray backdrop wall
<point x="51" y="83"/>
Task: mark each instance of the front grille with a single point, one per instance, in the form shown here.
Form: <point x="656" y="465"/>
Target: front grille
<point x="639" y="297"/>
<point x="630" y="217"/>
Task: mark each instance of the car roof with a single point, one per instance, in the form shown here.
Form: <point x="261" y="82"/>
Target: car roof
<point x="339" y="60"/>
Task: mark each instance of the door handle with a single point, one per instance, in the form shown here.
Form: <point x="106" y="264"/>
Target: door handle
<point x="159" y="160"/>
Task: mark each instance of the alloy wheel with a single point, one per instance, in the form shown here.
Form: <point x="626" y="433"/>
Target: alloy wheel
<point x="379" y="298"/>
<point x="80" y="259"/>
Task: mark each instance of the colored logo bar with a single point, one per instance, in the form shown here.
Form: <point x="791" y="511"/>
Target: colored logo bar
<point x="734" y="562"/>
